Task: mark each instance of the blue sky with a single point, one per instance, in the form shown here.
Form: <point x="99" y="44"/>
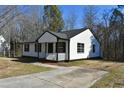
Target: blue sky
<point x="79" y="9"/>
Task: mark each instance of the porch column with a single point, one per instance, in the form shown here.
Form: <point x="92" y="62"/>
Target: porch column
<point x="45" y="49"/>
<point x="68" y="50"/>
<point x="38" y="49"/>
<point x="57" y="50"/>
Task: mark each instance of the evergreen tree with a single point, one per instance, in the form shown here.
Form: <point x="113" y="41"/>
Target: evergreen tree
<point x="53" y="18"/>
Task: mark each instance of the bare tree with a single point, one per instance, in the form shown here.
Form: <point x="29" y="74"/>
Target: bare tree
<point x="70" y="21"/>
<point x="111" y="35"/>
<point x="106" y="34"/>
<point x="18" y="26"/>
<point x="90" y="16"/>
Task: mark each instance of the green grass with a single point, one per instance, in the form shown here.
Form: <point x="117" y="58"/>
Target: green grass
<point x="11" y="68"/>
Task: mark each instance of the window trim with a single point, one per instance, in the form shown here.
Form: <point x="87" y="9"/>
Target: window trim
<point x="26" y="47"/>
<point x="80" y="48"/>
<point x="36" y="47"/>
<point x="93" y="48"/>
<point x="40" y="47"/>
<point x="59" y="47"/>
<point x="50" y="48"/>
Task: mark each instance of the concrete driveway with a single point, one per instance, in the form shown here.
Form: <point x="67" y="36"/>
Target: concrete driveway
<point x="61" y="77"/>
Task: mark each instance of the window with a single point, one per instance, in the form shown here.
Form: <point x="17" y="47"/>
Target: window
<point x="50" y="47"/>
<point x="80" y="47"/>
<point x="37" y="47"/>
<point x="26" y="47"/>
<point x="60" y="47"/>
<point x="93" y="48"/>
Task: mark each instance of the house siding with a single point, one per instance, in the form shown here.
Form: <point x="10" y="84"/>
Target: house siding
<point x="85" y="37"/>
<point x="47" y="37"/>
<point x="31" y="52"/>
<point x="42" y="53"/>
<point x="2" y="40"/>
<point x="88" y="39"/>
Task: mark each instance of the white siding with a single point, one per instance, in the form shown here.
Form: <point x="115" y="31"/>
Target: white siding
<point x="51" y="56"/>
<point x="42" y="53"/>
<point x="31" y="52"/>
<point x="85" y="37"/>
<point x="2" y="40"/>
<point x="88" y="39"/>
<point x="61" y="56"/>
<point x="1" y="48"/>
<point x="47" y="37"/>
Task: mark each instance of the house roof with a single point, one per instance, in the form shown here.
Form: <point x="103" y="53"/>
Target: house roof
<point x="68" y="34"/>
<point x="72" y="33"/>
<point x="62" y="35"/>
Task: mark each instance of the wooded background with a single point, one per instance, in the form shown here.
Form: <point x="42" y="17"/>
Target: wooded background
<point x="17" y="26"/>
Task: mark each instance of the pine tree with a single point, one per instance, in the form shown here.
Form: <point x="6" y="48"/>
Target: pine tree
<point x="53" y="18"/>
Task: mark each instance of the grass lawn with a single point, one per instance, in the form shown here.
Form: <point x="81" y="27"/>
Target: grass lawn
<point x="115" y="77"/>
<point x="13" y="68"/>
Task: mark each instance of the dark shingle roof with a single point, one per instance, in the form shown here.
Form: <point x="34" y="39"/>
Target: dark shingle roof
<point x="74" y="32"/>
<point x="68" y="34"/>
<point x="63" y="35"/>
<point x="60" y="35"/>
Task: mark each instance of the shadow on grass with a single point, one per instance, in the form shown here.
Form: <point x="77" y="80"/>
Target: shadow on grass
<point x="47" y="61"/>
<point x="36" y="60"/>
<point x="26" y="60"/>
<point x="32" y="60"/>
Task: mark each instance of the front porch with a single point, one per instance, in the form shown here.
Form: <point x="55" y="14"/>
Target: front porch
<point x="55" y="51"/>
<point x="53" y="47"/>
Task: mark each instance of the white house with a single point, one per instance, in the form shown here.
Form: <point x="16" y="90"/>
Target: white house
<point x="2" y="40"/>
<point x="3" y="45"/>
<point x="66" y="45"/>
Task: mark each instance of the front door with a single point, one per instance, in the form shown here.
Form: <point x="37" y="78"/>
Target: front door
<point x="50" y="51"/>
<point x="50" y="48"/>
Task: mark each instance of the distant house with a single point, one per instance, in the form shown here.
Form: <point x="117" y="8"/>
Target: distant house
<point x="66" y="45"/>
<point x="3" y="45"/>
